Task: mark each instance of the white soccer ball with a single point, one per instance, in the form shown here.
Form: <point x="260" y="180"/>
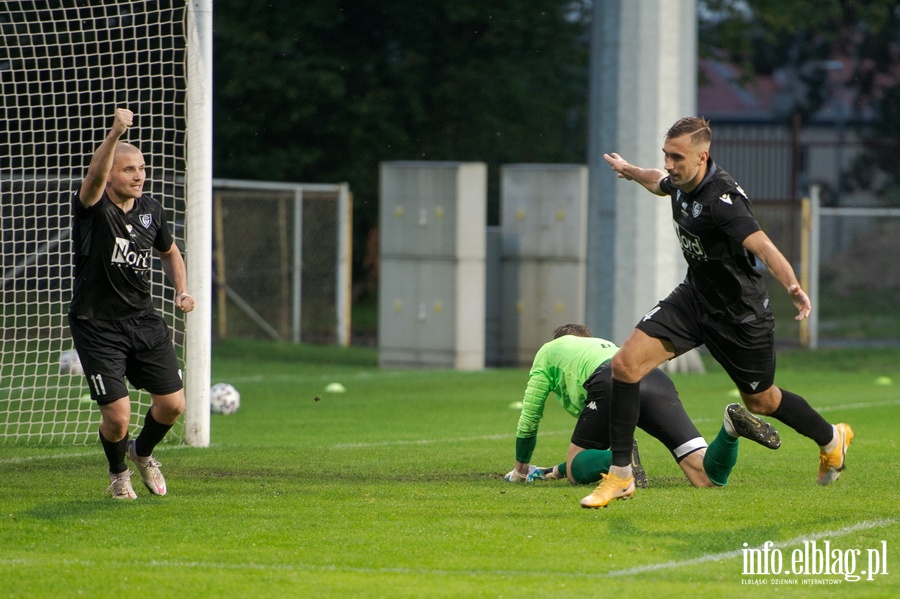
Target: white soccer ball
<point x="70" y="363"/>
<point x="224" y="399"/>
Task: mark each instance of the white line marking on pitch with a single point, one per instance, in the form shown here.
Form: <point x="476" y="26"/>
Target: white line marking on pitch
<point x="434" y="441"/>
<point x="66" y="455"/>
<point x="714" y="557"/>
<point x="855" y="406"/>
<point x="711" y="557"/>
<point x="860" y="406"/>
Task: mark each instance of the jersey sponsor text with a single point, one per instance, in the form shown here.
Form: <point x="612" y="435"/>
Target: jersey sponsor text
<point x="123" y="254"/>
<point x="690" y="243"/>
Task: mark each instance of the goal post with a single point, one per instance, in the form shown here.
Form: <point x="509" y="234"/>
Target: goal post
<point x="198" y="209"/>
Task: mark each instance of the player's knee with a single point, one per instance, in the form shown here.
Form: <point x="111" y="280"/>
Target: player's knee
<point x="763" y="403"/>
<point x="171" y="412"/>
<point x="624" y="369"/>
<point x="114" y="429"/>
<point x="176" y="410"/>
<point x="115" y="419"/>
<point x="167" y="408"/>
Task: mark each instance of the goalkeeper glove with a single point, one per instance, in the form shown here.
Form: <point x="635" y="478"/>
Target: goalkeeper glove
<point x="514" y="476"/>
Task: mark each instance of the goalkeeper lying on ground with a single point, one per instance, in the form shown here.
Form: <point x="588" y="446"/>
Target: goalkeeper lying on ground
<point x="575" y="366"/>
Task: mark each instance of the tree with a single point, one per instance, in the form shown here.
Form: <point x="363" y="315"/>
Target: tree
<point x="324" y="90"/>
<point x="803" y="40"/>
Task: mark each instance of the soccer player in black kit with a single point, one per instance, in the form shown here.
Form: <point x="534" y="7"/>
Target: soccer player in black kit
<point x="116" y="330"/>
<point x="722" y="303"/>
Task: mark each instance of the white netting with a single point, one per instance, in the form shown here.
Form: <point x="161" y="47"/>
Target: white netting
<point x="63" y="71"/>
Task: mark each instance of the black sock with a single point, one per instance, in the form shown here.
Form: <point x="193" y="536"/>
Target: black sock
<point x="115" y="453"/>
<point x="795" y="412"/>
<point x="624" y="410"/>
<point x="150" y="436"/>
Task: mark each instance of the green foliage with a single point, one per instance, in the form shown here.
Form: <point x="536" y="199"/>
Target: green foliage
<point x="393" y="489"/>
<point x="773" y="34"/>
<point x="768" y="35"/>
<point x="325" y="90"/>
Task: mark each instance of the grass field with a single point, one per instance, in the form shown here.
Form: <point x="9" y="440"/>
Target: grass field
<point x="393" y="489"/>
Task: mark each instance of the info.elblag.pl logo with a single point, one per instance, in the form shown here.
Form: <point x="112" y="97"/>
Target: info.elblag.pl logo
<point x="813" y="563"/>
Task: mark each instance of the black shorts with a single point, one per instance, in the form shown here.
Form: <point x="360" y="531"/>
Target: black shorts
<point x="138" y="349"/>
<point x="662" y="414"/>
<point x="745" y="350"/>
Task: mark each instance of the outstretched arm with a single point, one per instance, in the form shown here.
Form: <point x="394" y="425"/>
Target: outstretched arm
<point x="101" y="163"/>
<point x="648" y="177"/>
<point x="763" y="248"/>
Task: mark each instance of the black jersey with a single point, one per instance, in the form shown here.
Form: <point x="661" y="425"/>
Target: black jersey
<point x="113" y="254"/>
<point x="711" y="222"/>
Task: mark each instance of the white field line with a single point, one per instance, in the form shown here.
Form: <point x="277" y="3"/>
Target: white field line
<point x="77" y="454"/>
<point x="853" y="406"/>
<point x="301" y="567"/>
<point x="715" y="557"/>
<point x="350" y="376"/>
<point x="859" y="406"/>
<point x="711" y="557"/>
<point x="498" y="437"/>
<point x="504" y="437"/>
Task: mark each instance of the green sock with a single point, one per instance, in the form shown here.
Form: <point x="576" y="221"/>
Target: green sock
<point x="561" y="468"/>
<point x="720" y="458"/>
<point x="589" y="464"/>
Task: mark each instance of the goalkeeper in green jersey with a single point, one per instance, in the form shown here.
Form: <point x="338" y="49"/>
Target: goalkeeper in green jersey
<point x="575" y="367"/>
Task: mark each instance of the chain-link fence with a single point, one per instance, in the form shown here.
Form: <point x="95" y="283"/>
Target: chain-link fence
<point x="282" y="261"/>
<point x="858" y="278"/>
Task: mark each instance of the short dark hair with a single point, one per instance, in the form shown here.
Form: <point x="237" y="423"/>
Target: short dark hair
<point x="579" y="330"/>
<point x="695" y="126"/>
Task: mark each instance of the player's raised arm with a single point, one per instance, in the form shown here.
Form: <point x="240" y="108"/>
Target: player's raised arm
<point x="101" y="162"/>
<point x="649" y="178"/>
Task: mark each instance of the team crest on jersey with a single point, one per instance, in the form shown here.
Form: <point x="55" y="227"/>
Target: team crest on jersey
<point x="146" y="220"/>
<point x="696" y="209"/>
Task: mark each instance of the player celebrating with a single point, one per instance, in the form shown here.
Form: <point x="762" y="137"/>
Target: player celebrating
<point x="116" y="329"/>
<point x="575" y="367"/>
<point x="722" y="303"/>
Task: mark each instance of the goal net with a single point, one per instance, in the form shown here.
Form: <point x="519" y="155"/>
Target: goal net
<point x="64" y="68"/>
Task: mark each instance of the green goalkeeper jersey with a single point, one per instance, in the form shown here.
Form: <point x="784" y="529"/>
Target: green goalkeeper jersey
<point x="561" y="366"/>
